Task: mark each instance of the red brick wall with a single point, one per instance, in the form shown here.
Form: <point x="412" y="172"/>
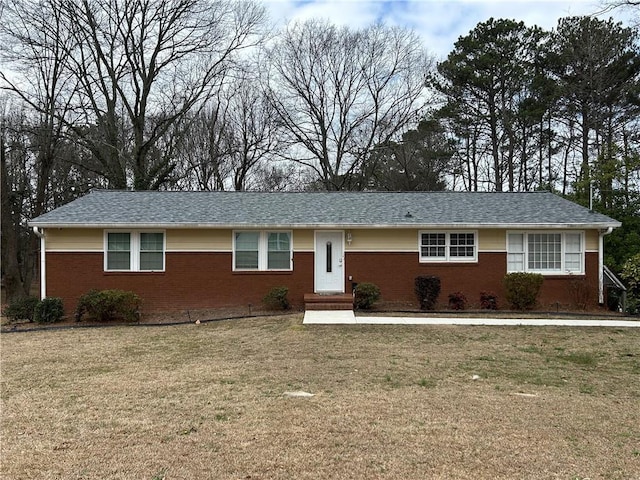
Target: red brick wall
<point x="205" y="280"/>
<point x="394" y="273"/>
<point x="190" y="281"/>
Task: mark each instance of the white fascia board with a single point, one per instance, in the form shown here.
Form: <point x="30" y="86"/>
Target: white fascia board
<point x="325" y="226"/>
<point x="480" y="226"/>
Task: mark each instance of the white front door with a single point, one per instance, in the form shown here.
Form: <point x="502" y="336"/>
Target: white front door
<point x="329" y="262"/>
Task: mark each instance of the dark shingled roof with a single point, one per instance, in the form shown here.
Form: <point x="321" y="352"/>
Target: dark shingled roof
<point x="109" y="208"/>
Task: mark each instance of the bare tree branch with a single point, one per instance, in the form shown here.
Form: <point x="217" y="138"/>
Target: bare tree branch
<point x="337" y="92"/>
<point x="137" y="69"/>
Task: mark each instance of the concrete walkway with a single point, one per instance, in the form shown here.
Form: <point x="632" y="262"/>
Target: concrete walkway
<point x="347" y="317"/>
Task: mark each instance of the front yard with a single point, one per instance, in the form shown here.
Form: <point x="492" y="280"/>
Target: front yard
<point x="396" y="402"/>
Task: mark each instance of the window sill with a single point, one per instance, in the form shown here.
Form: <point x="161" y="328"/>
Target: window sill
<point x="449" y="262"/>
<point x="132" y="272"/>
<point x="557" y="274"/>
<point x="262" y="272"/>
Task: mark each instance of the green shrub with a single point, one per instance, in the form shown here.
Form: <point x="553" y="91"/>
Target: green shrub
<point x="427" y="289"/>
<point x="522" y="289"/>
<point x="277" y="299"/>
<point x="366" y="295"/>
<point x="488" y="301"/>
<point x="633" y="305"/>
<point x="49" y="310"/>
<point x="631" y="274"/>
<point x="107" y="305"/>
<point x="21" y="309"/>
<point x="457" y="301"/>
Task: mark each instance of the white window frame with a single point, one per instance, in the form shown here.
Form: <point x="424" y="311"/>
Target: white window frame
<point x="563" y="252"/>
<point x="447" y="258"/>
<point x="134" y="250"/>
<point x="263" y="251"/>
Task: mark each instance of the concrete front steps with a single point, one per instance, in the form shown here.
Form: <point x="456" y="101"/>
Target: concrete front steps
<point x="314" y="301"/>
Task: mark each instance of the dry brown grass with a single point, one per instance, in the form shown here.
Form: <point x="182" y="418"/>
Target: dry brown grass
<point x="205" y="402"/>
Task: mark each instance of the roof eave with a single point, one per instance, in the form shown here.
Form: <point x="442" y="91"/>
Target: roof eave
<point x="338" y="226"/>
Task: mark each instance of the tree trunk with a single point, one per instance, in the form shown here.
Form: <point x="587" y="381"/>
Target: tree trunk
<point x="585" y="171"/>
<point x="10" y="222"/>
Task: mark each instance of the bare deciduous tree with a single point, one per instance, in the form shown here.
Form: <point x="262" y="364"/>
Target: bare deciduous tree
<point x="631" y="6"/>
<point x="14" y="185"/>
<point x="26" y="191"/>
<point x="138" y="69"/>
<point x="45" y="87"/>
<point x="230" y="139"/>
<point x="203" y="154"/>
<point x="252" y="131"/>
<point x="337" y="92"/>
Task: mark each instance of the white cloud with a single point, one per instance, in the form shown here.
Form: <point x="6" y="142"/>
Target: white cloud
<point x="355" y="13"/>
<point x="439" y="22"/>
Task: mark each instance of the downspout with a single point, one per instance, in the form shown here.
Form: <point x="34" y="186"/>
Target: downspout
<point x="43" y="264"/>
<point x="601" y="263"/>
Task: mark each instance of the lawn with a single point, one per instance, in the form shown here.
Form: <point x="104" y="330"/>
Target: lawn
<point x="395" y="402"/>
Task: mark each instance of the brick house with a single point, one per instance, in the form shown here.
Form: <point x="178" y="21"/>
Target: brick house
<point x="189" y="250"/>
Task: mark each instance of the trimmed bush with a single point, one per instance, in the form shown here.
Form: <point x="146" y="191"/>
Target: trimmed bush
<point x="366" y="295"/>
<point x="277" y="299"/>
<point x="23" y="308"/>
<point x="49" y="310"/>
<point x="457" y="301"/>
<point x="522" y="289"/>
<point x="427" y="289"/>
<point x="488" y="301"/>
<point x="107" y="305"/>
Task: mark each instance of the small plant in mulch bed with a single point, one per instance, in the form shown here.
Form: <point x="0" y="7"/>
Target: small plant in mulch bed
<point x="427" y="289"/>
<point x="366" y="295"/>
<point x="277" y="299"/>
<point x="488" y="301"/>
<point x="457" y="301"/>
<point x="105" y="305"/>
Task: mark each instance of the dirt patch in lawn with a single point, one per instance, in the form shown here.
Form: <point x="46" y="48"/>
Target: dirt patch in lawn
<point x="392" y="402"/>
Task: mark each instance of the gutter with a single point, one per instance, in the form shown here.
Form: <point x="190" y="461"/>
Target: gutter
<point x="601" y="236"/>
<point x="43" y="264"/>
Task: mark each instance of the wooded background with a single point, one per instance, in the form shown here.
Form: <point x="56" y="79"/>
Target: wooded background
<point x="205" y="95"/>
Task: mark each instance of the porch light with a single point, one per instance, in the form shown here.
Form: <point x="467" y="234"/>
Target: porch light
<point x="349" y="238"/>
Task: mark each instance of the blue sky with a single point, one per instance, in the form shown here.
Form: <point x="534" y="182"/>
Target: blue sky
<point x="439" y="22"/>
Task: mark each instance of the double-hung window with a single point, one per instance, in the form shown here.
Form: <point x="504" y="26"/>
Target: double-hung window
<point x="246" y="250"/>
<point x="278" y="251"/>
<point x="151" y="251"/>
<point x="448" y="246"/>
<point x="261" y="250"/>
<point x="134" y="251"/>
<point x="118" y="251"/>
<point x="545" y="252"/>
